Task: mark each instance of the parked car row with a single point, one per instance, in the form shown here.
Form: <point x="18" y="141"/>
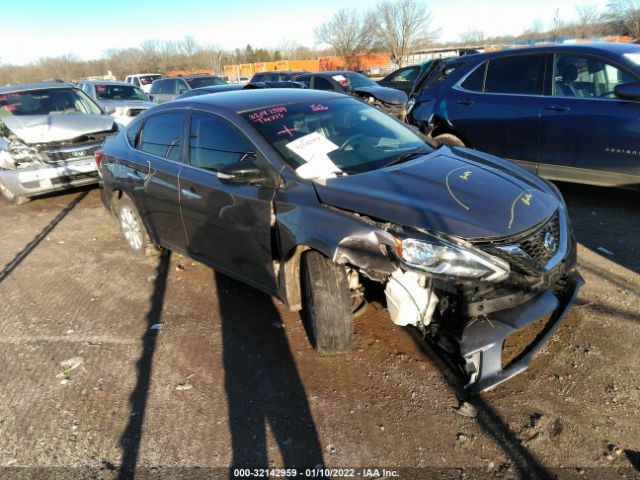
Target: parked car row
<point x="304" y="193"/>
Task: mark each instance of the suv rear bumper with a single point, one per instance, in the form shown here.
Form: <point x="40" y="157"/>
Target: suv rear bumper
<point x="43" y="178"/>
<point x="483" y="339"/>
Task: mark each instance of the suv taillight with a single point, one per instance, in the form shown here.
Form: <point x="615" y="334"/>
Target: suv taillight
<point x="98" y="155"/>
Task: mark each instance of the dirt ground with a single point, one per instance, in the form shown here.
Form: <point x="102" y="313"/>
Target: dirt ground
<point x="115" y="366"/>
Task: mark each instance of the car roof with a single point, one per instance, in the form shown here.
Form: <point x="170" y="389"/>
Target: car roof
<point x="243" y="100"/>
<point x="336" y="72"/>
<point x="34" y="86"/>
<point x="194" y="75"/>
<point x="586" y="47"/>
<point x="105" y="82"/>
<point x="282" y="71"/>
<point x="219" y="88"/>
<point x="141" y="74"/>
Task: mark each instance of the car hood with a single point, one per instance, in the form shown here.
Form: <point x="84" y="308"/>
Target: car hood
<point x="112" y="104"/>
<point x="56" y="128"/>
<point x="384" y="94"/>
<point x="467" y="195"/>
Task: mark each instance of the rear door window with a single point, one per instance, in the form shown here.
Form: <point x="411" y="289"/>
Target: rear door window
<point x="162" y="135"/>
<point x="515" y="74"/>
<point x="168" y="86"/>
<point x="305" y="80"/>
<point x="156" y="87"/>
<point x="214" y="142"/>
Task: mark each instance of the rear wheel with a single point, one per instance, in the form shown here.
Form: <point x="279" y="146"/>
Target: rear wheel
<point x="133" y="229"/>
<point x="11" y="197"/>
<point x="449" y="139"/>
<point x="327" y="305"/>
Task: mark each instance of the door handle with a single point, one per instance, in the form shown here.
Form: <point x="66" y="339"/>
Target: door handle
<point x="190" y="193"/>
<point x="465" y="102"/>
<point x="558" y="108"/>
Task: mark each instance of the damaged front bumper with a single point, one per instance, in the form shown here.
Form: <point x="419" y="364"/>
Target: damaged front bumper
<point x="483" y="338"/>
<point x="39" y="178"/>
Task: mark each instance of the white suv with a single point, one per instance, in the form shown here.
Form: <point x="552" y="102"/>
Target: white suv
<point x="143" y="80"/>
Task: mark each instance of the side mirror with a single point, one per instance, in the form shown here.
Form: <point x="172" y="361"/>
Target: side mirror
<point x="242" y="172"/>
<point x="628" y="91"/>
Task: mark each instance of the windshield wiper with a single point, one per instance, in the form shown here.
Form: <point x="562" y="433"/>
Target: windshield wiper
<point x="403" y="157"/>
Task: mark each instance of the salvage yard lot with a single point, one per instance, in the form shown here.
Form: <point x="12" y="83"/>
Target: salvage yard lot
<point x="228" y="378"/>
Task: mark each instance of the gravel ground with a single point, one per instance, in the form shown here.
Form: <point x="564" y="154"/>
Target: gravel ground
<point x="112" y="363"/>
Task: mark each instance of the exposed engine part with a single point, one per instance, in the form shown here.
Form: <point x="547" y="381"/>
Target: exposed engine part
<point x="358" y="301"/>
<point x="409" y="301"/>
<point x="14" y="153"/>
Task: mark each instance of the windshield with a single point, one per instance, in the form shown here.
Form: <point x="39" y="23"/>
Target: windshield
<point x="198" y="82"/>
<point x="47" y="102"/>
<point x="148" y="79"/>
<point x="348" y="134"/>
<point x="120" y="92"/>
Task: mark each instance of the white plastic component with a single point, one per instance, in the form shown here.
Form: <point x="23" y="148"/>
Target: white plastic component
<point x="408" y="302"/>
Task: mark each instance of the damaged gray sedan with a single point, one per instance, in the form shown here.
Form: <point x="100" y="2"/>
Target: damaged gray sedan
<point x="314" y="197"/>
<point x="48" y="135"/>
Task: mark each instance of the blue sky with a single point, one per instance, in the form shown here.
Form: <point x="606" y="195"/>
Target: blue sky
<point x="36" y="28"/>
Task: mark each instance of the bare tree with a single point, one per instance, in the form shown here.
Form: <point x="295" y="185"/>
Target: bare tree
<point x="627" y="14"/>
<point x="403" y="26"/>
<point x="588" y="16"/>
<point x="472" y="37"/>
<point x="189" y="46"/>
<point x="349" y="33"/>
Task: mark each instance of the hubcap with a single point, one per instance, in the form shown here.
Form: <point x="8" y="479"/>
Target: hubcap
<point x="131" y="228"/>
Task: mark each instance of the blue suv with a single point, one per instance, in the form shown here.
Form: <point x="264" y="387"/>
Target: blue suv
<point x="566" y="112"/>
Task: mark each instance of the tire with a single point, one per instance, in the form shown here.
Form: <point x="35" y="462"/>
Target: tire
<point x="449" y="139"/>
<point x="11" y="197"/>
<point x="327" y="305"/>
<point x="133" y="229"/>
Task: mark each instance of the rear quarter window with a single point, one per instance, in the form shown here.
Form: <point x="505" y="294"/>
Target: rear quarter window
<point x="475" y="81"/>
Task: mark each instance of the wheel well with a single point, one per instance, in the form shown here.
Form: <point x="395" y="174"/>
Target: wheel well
<point x="291" y="278"/>
<point x="441" y="129"/>
<point x="116" y="195"/>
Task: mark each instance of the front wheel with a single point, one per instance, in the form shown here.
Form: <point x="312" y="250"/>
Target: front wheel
<point x="327" y="305"/>
<point x="133" y="229"/>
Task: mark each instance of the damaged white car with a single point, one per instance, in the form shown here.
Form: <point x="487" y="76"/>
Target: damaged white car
<point x="48" y="135"/>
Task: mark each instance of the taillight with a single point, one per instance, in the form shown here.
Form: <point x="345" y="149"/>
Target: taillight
<point x="98" y="156"/>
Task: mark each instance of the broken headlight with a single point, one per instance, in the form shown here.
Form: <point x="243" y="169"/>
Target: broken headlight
<point x="443" y="258"/>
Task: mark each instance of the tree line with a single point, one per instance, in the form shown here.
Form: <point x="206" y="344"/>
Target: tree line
<point x="397" y="27"/>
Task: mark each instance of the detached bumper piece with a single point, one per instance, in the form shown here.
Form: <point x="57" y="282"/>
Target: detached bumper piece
<point x="483" y="339"/>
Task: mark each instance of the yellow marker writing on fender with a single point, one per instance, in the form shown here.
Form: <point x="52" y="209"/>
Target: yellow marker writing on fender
<point x="527" y="199"/>
<point x="465" y="175"/>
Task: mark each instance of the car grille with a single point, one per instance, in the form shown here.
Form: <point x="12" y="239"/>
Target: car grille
<point x="529" y="255"/>
<point x="534" y="245"/>
<point x="72" y="153"/>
